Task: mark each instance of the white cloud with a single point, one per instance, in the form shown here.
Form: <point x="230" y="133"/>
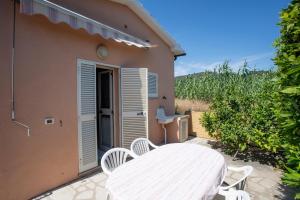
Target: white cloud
<point x="250" y="59"/>
<point x="182" y="68"/>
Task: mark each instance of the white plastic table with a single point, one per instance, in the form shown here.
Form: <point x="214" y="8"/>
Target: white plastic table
<point x="173" y="171"/>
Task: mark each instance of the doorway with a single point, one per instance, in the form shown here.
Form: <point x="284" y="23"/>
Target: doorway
<point x="105" y="132"/>
<point x="95" y="101"/>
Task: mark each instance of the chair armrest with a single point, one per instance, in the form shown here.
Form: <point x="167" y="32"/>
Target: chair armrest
<point x="225" y="188"/>
<point x="132" y="154"/>
<point x="153" y="145"/>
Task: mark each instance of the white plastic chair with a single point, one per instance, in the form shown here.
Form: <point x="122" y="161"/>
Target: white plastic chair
<point x="140" y="146"/>
<point x="235" y="195"/>
<point x="240" y="184"/>
<point x="113" y="158"/>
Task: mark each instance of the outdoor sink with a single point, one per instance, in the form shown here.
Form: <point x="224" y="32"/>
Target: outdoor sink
<point x="166" y="120"/>
<point x="163" y="119"/>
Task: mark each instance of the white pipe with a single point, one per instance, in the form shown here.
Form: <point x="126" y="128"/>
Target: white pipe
<point x="24" y="125"/>
<point x="165" y="132"/>
<point x="13" y="111"/>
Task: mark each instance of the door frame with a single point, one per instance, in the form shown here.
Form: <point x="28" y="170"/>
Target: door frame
<point x="103" y="66"/>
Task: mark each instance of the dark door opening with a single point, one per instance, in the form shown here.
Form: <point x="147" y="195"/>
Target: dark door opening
<point x="104" y="110"/>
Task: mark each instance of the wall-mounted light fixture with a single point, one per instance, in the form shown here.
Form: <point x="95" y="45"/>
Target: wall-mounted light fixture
<point x="102" y="51"/>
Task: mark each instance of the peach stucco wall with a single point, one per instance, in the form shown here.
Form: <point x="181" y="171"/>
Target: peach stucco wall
<point x="46" y="85"/>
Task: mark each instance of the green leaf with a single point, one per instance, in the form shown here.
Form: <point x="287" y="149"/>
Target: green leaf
<point x="297" y="196"/>
<point x="291" y="90"/>
<point x="293" y="70"/>
<point x="286" y="114"/>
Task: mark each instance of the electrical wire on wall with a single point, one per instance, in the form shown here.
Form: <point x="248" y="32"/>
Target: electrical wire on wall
<point x="13" y="110"/>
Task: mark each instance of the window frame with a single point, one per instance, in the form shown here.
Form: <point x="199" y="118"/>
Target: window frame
<point x="153" y="95"/>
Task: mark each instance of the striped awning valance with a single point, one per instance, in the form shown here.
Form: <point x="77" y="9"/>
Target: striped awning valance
<point x="59" y="14"/>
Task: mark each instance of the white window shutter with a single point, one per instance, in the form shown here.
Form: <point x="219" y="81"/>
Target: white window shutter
<point x="152" y="84"/>
<point x="87" y="124"/>
<point x="134" y="104"/>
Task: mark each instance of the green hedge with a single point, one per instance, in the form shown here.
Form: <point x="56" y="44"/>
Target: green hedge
<point x="288" y="99"/>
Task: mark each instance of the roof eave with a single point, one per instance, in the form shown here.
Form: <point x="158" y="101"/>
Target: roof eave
<point x="138" y="8"/>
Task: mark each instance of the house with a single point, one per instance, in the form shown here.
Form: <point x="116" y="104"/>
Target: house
<point x="77" y="78"/>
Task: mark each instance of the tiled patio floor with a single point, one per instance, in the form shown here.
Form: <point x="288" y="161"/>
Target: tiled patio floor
<point x="90" y="188"/>
<point x="263" y="184"/>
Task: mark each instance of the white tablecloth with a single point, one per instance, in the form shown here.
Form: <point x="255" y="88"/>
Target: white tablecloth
<point x="173" y="171"/>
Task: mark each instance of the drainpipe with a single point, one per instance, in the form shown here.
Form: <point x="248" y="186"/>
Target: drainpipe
<point x="13" y="110"/>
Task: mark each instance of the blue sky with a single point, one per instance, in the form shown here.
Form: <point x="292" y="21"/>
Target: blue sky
<point x="212" y="31"/>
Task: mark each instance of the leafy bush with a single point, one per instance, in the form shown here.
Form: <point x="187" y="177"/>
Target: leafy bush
<point x="288" y="106"/>
<point x="242" y="114"/>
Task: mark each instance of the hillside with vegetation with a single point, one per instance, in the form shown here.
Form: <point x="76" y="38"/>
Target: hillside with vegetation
<point x="205" y="86"/>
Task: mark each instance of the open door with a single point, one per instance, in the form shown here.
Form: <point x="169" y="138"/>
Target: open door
<point x="134" y="104"/>
<point x="87" y="123"/>
<point x="105" y="109"/>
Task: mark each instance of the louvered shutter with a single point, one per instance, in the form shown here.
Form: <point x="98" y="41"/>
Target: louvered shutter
<point x="152" y="84"/>
<point x="134" y="102"/>
<point x="87" y="124"/>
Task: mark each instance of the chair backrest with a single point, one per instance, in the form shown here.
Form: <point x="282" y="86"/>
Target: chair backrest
<point x="160" y="113"/>
<point x="140" y="146"/>
<point x="240" y="184"/>
<point x="113" y="158"/>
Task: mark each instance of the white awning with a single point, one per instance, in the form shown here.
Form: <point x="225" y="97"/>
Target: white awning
<point x="59" y="14"/>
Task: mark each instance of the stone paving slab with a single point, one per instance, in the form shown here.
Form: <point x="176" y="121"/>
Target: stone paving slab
<point x="90" y="188"/>
<point x="263" y="184"/>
